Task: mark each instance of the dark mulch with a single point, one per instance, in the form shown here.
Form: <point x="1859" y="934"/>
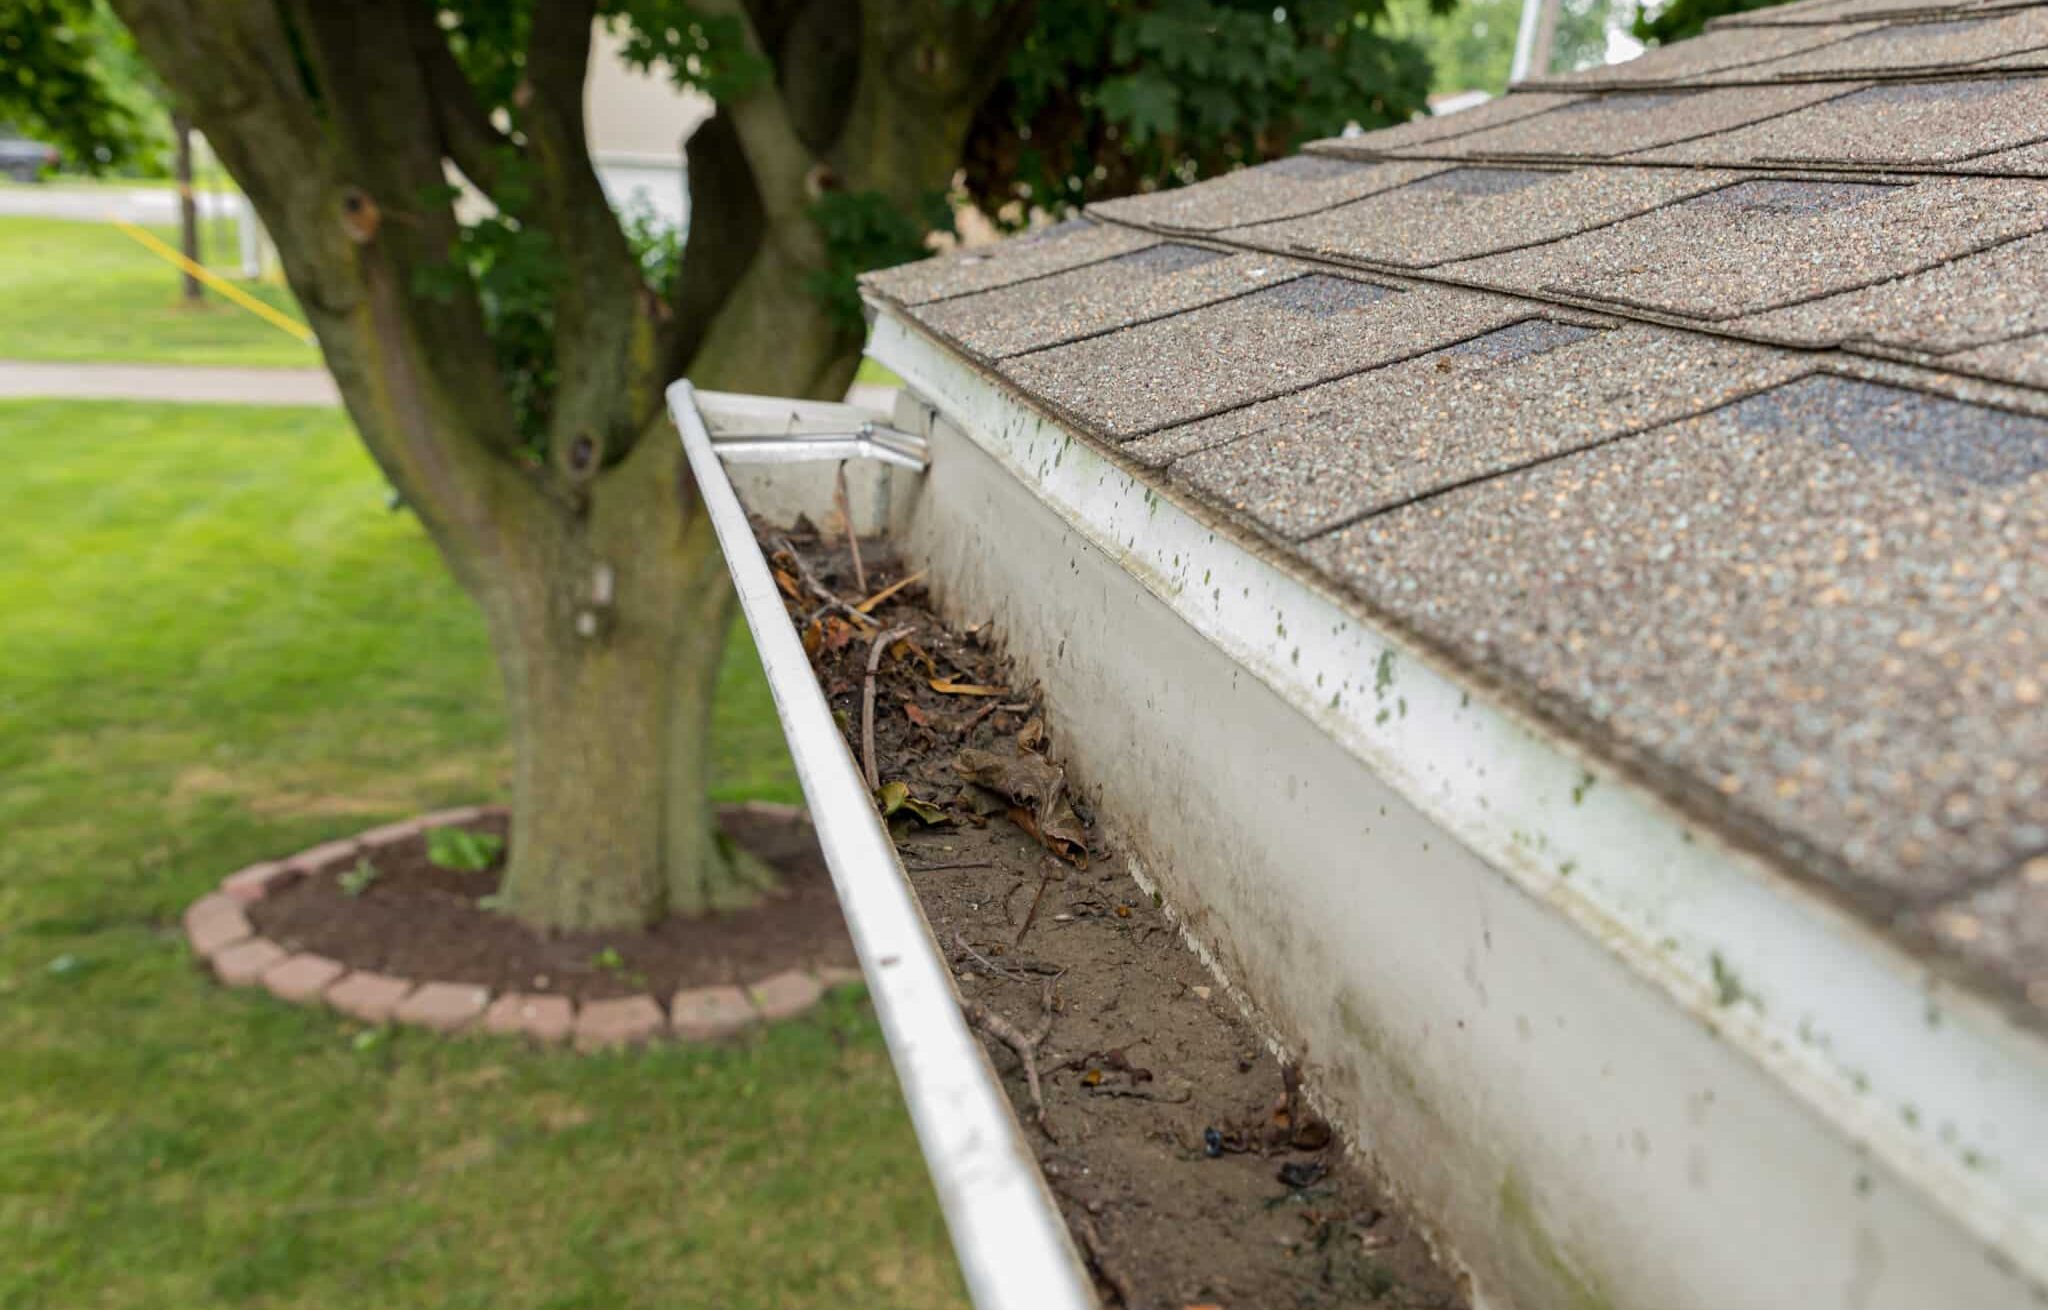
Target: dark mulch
<point x="416" y="920"/>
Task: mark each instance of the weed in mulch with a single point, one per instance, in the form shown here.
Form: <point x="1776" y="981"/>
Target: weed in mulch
<point x="1187" y="1163"/>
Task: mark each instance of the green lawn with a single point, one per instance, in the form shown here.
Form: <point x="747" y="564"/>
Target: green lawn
<point x="87" y="292"/>
<point x="219" y="646"/>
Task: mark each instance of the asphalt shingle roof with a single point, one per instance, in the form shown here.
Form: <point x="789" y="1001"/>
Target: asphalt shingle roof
<point x="1708" y="420"/>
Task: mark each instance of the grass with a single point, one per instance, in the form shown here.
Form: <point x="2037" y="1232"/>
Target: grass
<point x="86" y="292"/>
<point x="873" y="370"/>
<point x="219" y="647"/>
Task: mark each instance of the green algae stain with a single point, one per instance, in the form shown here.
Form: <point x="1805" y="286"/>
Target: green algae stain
<point x="1518" y="1215"/>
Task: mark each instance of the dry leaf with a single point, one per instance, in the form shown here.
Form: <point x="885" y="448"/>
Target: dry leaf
<point x="1038" y="787"/>
<point x="1031" y="736"/>
<point x="814" y="638"/>
<point x="916" y="715"/>
<point x="952" y="688"/>
<point x="838" y="633"/>
<point x="788" y="585"/>
<point x="923" y="657"/>
<point x="868" y="606"/>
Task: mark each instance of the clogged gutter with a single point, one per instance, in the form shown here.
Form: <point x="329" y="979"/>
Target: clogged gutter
<point x="1185" y="1161"/>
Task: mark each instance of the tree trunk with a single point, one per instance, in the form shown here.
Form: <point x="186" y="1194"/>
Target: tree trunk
<point x="188" y="205"/>
<point x="609" y="633"/>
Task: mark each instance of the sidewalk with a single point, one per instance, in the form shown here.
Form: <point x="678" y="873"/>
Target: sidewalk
<point x="20" y="380"/>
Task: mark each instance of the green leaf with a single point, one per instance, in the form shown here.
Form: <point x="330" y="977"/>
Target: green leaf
<point x="462" y="850"/>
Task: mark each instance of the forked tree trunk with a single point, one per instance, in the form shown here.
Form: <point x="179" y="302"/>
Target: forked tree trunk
<point x="588" y="551"/>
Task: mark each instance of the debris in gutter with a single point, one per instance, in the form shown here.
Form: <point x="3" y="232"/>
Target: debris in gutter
<point x="1159" y="1120"/>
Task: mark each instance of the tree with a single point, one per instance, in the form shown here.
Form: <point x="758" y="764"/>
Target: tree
<point x="507" y="374"/>
<point x="67" y="76"/>
<point x="1679" y="19"/>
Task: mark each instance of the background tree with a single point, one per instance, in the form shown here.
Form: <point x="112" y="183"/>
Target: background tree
<point x="68" y="76"/>
<point x="1679" y="19"/>
<point x="507" y="374"/>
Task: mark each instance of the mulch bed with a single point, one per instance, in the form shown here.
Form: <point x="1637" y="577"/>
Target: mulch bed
<point x="1186" y="1162"/>
<point x="417" y="920"/>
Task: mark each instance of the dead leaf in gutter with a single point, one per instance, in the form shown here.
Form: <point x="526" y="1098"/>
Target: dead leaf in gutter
<point x="868" y="606"/>
<point x="1038" y="788"/>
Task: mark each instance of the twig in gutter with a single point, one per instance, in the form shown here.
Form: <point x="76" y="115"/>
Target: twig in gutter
<point x="1023" y="1043"/>
<point x="867" y="703"/>
<point x="1022" y="972"/>
<point x="1098" y="1255"/>
<point x="950" y="864"/>
<point x="860" y="573"/>
<point x="1179" y="1097"/>
<point x="1031" y="915"/>
<point x="830" y="599"/>
<point x="968" y="727"/>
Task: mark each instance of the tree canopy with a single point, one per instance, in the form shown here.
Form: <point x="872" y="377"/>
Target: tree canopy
<point x="70" y="76"/>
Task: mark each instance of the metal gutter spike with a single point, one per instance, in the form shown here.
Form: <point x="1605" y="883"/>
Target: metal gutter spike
<point x="772" y="430"/>
<point x="1012" y="1245"/>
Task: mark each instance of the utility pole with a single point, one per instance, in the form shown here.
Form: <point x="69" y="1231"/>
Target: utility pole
<point x="188" y="204"/>
<point x="1534" y="39"/>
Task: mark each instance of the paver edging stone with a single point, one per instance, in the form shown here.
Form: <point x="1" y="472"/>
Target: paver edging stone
<point x="220" y="934"/>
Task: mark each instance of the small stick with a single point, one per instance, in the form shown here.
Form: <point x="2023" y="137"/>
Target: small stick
<point x="860" y="574"/>
<point x="867" y="703"/>
<point x="1018" y="973"/>
<point x="1023" y="1043"/>
<point x="1098" y="1255"/>
<point x="950" y="864"/>
<point x="1031" y="915"/>
<point x="817" y="588"/>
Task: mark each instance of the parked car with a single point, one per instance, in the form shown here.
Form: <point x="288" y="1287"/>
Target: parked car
<point x="24" y="160"/>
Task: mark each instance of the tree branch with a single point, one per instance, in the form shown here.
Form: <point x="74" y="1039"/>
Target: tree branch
<point x="726" y="223"/>
<point x="776" y="154"/>
<point x="468" y="136"/>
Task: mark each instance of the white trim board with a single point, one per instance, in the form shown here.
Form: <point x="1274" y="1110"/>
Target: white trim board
<point x="1615" y="1061"/>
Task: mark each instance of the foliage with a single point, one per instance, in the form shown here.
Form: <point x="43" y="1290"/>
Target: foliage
<point x="1105" y="98"/>
<point x="463" y="850"/>
<point x="513" y="266"/>
<point x="707" y="52"/>
<point x="1472" y="47"/>
<point x="1679" y="19"/>
<point x="355" y="881"/>
<point x="68" y="76"/>
<point x="863" y="230"/>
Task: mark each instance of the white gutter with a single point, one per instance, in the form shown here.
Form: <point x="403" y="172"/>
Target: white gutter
<point x="1013" y="1247"/>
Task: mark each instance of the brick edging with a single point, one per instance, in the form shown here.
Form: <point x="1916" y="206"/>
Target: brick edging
<point x="218" y="930"/>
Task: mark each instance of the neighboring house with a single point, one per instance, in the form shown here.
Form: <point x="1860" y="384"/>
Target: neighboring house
<point x="638" y="122"/>
<point x="1560" y="594"/>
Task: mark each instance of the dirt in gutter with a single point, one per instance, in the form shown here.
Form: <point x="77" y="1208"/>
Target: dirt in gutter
<point x="1186" y="1164"/>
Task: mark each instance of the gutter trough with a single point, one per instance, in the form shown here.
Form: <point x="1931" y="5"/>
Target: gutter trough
<point x="1012" y="1246"/>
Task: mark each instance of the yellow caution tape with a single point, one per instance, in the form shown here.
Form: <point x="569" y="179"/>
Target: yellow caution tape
<point x="269" y="315"/>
